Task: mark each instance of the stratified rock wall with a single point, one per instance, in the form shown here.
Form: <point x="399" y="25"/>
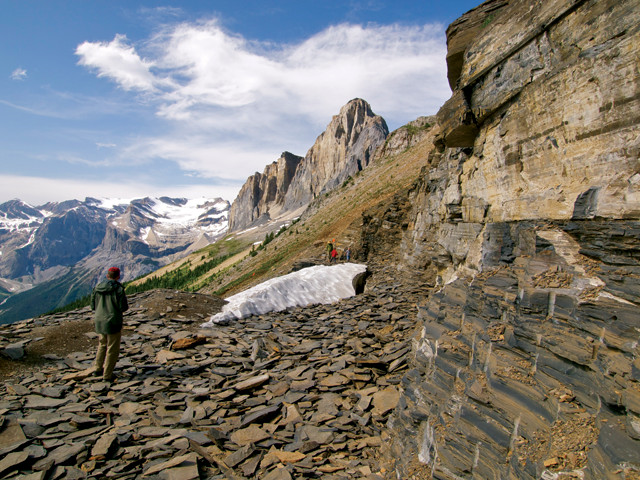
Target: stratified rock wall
<point x="526" y="225"/>
<point x="551" y="88"/>
<point x="262" y="196"/>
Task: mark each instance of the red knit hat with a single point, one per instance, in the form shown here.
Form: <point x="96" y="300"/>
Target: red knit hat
<point x="114" y="271"/>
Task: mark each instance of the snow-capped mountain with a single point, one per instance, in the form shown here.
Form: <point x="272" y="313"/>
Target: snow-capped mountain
<point x="41" y="243"/>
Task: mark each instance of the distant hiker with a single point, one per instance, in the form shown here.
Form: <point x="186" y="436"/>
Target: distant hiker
<point x="347" y="254"/>
<point x="108" y="301"/>
<point x="329" y="250"/>
<point x="334" y="255"/>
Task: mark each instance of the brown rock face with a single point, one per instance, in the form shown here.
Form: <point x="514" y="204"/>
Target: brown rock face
<point x="346" y="147"/>
<point x="524" y="226"/>
<point x="262" y="196"/>
<point x="462" y="33"/>
<point x="550" y="109"/>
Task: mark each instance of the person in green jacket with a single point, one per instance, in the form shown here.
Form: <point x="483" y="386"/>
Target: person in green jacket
<point x="108" y="301"/>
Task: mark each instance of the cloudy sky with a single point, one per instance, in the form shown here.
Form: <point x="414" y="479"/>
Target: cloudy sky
<point x="128" y="98"/>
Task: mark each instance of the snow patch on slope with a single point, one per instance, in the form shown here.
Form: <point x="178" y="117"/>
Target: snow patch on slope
<point x="313" y="285"/>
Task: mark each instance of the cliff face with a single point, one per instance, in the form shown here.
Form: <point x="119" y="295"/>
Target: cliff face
<point x="261" y="198"/>
<point x="524" y="230"/>
<point x="344" y="148"/>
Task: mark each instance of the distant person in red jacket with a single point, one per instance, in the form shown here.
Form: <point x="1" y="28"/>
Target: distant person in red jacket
<point x="109" y="302"/>
<point x="334" y="255"/>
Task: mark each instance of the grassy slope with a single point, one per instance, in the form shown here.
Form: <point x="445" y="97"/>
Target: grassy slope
<point x="197" y="268"/>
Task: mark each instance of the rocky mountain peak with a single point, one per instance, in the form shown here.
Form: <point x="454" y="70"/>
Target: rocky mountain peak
<point x="18" y="210"/>
<point x="346" y="147"/>
<point x="289" y="184"/>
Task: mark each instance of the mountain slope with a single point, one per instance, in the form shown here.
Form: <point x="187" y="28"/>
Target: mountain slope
<point x="336" y="215"/>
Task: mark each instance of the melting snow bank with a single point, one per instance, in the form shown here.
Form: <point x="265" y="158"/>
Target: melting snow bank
<point x="319" y="284"/>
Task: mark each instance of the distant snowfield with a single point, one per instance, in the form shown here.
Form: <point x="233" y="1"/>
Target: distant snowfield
<point x="313" y="285"/>
<point x="175" y="211"/>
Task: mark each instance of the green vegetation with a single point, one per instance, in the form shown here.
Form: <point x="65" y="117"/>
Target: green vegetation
<point x="260" y="270"/>
<point x="76" y="304"/>
<point x="413" y="130"/>
<point x="182" y="278"/>
<point x="54" y="294"/>
<point x="487" y="21"/>
<point x="268" y="238"/>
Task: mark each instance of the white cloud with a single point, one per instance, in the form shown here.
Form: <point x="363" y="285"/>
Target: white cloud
<point x="19" y="74"/>
<point x="233" y="105"/>
<point x="40" y="190"/>
<point x="34" y="111"/>
<point x="118" y="61"/>
<point x="205" y="71"/>
<point x="106" y="145"/>
<point x="160" y="12"/>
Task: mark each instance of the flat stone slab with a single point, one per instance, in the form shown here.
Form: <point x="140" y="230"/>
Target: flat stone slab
<point x="252" y="382"/>
<point x="251" y="434"/>
<point x="39" y="402"/>
<point x="188" y="460"/>
<point x="11" y="434"/>
<point x="385" y="400"/>
<point x="12" y="461"/>
<point x="59" y="455"/>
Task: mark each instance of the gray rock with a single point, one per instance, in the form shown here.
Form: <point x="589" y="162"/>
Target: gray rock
<point x="38" y="402"/>
<point x="12" y="461"/>
<point x="59" y="455"/>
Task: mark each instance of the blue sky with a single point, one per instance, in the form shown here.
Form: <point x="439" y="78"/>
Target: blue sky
<point x="138" y="98"/>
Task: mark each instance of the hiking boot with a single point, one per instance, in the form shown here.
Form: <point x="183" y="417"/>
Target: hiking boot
<point x="98" y="373"/>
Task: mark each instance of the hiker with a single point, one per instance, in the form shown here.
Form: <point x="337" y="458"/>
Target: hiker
<point x="347" y="254"/>
<point x="329" y="250"/>
<point x="334" y="255"/>
<point x="108" y="301"/>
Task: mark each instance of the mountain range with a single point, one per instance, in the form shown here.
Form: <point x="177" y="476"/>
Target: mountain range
<point x="287" y="186"/>
<point x="63" y="248"/>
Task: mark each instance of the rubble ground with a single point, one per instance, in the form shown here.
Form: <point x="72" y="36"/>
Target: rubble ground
<point x="304" y="393"/>
<point x="63" y="334"/>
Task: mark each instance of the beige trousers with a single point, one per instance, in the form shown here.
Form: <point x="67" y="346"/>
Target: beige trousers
<point x="109" y="350"/>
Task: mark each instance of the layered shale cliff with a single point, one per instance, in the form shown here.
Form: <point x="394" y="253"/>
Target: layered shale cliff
<point x="525" y="229"/>
<point x="290" y="184"/>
